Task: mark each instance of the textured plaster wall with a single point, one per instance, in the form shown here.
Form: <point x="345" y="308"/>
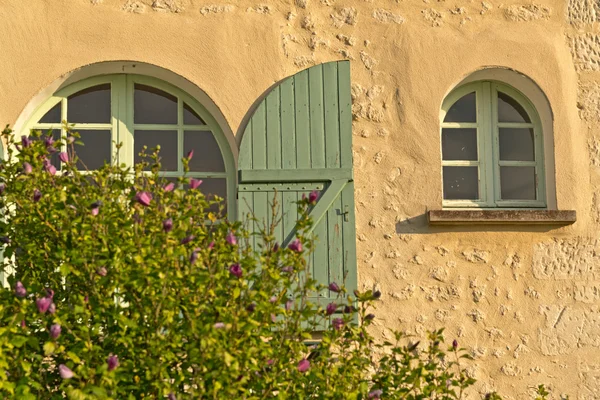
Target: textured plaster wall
<point x="524" y="300"/>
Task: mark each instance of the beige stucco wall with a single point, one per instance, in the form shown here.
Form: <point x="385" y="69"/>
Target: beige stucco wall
<point x="524" y="300"/>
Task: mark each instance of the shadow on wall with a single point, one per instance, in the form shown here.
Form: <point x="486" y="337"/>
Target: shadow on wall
<point x="419" y="225"/>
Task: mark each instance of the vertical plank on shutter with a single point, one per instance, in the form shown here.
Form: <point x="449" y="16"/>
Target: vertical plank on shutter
<point x="261" y="210"/>
<point x="301" y="92"/>
<point x="320" y="255"/>
<point x="332" y="132"/>
<point x="245" y="157"/>
<point x="278" y="231"/>
<point x="317" y="128"/>
<point x="245" y="206"/>
<point x="288" y="124"/>
<point x="345" y="104"/>
<point x="334" y="242"/>
<point x="259" y="138"/>
<point x="273" y="133"/>
<point x="289" y="209"/>
<point x="349" y="235"/>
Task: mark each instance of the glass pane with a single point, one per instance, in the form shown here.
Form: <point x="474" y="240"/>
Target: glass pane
<point x="461" y="183"/>
<point x="91" y="105"/>
<point x="464" y="110"/>
<point x="517" y="183"/>
<point x="207" y="155"/>
<point x="459" y="144"/>
<point x="516" y="144"/>
<point x="168" y="147"/>
<point x="211" y="187"/>
<point x="52" y="116"/>
<point x="153" y="106"/>
<point x="96" y="149"/>
<point x="190" y="117"/>
<point x="55" y="133"/>
<point x="509" y="110"/>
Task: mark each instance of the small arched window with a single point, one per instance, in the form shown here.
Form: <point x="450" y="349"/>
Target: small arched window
<point x="140" y="111"/>
<point x="492" y="150"/>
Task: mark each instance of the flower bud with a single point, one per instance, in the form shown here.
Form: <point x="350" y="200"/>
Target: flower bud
<point x="169" y="187"/>
<point x="330" y="309"/>
<point x="296" y="245"/>
<point x="43" y="304"/>
<point x="231" y="239"/>
<point x="64" y="157"/>
<point x="144" y="198"/>
<point x="65" y="372"/>
<point x="113" y="362"/>
<point x="190" y="154"/>
<point x="454" y="344"/>
<point x="52" y="308"/>
<point x="194" y="183"/>
<point x="102" y="271"/>
<point x="303" y="365"/>
<point x="27" y="168"/>
<point x="337" y="323"/>
<point x="187" y="239"/>
<point x="313" y="196"/>
<point x="37" y="195"/>
<point x="55" y="331"/>
<point x="25" y="141"/>
<point x="236" y="270"/>
<point x="2" y="188"/>
<point x="334" y="287"/>
<point x="219" y="325"/>
<point x="167" y="225"/>
<point x="20" y="290"/>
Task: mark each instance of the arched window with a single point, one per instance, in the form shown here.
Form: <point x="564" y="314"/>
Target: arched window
<point x="492" y="148"/>
<point x="140" y="111"/>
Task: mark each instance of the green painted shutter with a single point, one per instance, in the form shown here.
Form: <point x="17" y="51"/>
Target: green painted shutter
<point x="299" y="139"/>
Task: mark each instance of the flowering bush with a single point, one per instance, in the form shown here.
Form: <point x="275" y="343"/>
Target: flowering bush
<point x="124" y="285"/>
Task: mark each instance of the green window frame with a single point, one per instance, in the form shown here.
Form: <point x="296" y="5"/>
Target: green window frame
<point x="122" y="125"/>
<point x="488" y="163"/>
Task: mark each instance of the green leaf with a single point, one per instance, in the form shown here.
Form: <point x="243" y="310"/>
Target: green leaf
<point x="49" y="348"/>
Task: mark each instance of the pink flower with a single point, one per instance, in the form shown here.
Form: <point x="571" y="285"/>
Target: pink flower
<point x="20" y="290"/>
<point x="65" y="372"/>
<point x="337" y="323"/>
<point x="211" y="245"/>
<point x="101" y="271"/>
<point x="169" y="187"/>
<point x="190" y="154"/>
<point x="23" y="324"/>
<point x="194" y="256"/>
<point x="236" y="270"/>
<point x="194" y="183"/>
<point x="113" y="362"/>
<point x="219" y="325"/>
<point x="2" y="187"/>
<point x="167" y="225"/>
<point x="375" y="394"/>
<point x="187" y="239"/>
<point x="144" y="198"/>
<point x="95" y="211"/>
<point x="334" y="287"/>
<point x="49" y="167"/>
<point x="231" y="239"/>
<point x="273" y="299"/>
<point x="288" y="305"/>
<point x="64" y="157"/>
<point x="296" y="245"/>
<point x="455" y="344"/>
<point x="303" y="365"/>
<point x="330" y="309"/>
<point x="25" y="141"/>
<point x="43" y="304"/>
<point x="55" y="331"/>
<point x="52" y="308"/>
<point x="37" y="195"/>
<point x="313" y="196"/>
<point x="27" y="168"/>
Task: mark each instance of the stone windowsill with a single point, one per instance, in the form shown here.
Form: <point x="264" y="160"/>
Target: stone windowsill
<point x="501" y="217"/>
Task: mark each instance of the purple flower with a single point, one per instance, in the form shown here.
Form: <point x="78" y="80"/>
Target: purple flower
<point x="113" y="362"/>
<point x="369" y="317"/>
<point x="276" y="246"/>
<point x="219" y="325"/>
<point x="95" y="211"/>
<point x="375" y="394"/>
<point x="303" y="365"/>
<point x="64" y="157"/>
<point x="211" y="245"/>
<point x="313" y="196"/>
<point x="55" y="331"/>
<point x="194" y="183"/>
<point x="454" y="344"/>
<point x="337" y="323"/>
<point x="187" y="239"/>
<point x="23" y="325"/>
<point x="65" y="372"/>
<point x="20" y="290"/>
<point x="190" y="154"/>
<point x="27" y="168"/>
<point x="52" y="308"/>
<point x="2" y="188"/>
<point x="231" y="239"/>
<point x="334" y="287"/>
<point x="49" y="293"/>
<point x="296" y="245"/>
<point x="25" y="141"/>
<point x="270" y="362"/>
<point x="171" y="396"/>
<point x="101" y="271"/>
<point x="288" y="305"/>
<point x="48" y="141"/>
<point x="273" y="299"/>
<point x="51" y="169"/>
<point x="236" y="270"/>
<point x="167" y="225"/>
<point x="43" y="304"/>
<point x="288" y="269"/>
<point x="144" y="198"/>
<point x="376" y="294"/>
<point x="169" y="187"/>
<point x="330" y="309"/>
<point x="194" y="256"/>
<point x="37" y="195"/>
<point x="4" y="239"/>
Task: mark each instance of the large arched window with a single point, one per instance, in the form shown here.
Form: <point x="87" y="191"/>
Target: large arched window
<point x="492" y="148"/>
<point x="140" y="111"/>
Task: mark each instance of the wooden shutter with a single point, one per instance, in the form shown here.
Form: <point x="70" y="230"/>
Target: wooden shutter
<point x="299" y="139"/>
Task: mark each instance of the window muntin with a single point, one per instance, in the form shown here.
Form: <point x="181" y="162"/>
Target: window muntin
<point x="492" y="150"/>
<point x="137" y="110"/>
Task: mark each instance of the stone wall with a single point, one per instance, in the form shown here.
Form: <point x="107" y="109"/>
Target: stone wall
<point x="525" y="301"/>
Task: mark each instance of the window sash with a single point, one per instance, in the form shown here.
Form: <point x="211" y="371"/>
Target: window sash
<point x="488" y="129"/>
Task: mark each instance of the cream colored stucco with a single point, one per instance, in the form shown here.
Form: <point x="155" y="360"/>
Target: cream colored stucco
<point x="524" y="300"/>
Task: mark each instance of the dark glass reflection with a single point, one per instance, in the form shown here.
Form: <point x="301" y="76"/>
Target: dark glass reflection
<point x="459" y="144"/>
<point x="207" y="155"/>
<point x="211" y="187"/>
<point x="55" y="134"/>
<point x="153" y="106"/>
<point x="516" y="144"/>
<point x="509" y="110"/>
<point x="517" y="183"/>
<point x="52" y="116"/>
<point x="464" y="110"/>
<point x="190" y="117"/>
<point x="168" y="147"/>
<point x="96" y="149"/>
<point x="461" y="183"/>
<point x="90" y="106"/>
